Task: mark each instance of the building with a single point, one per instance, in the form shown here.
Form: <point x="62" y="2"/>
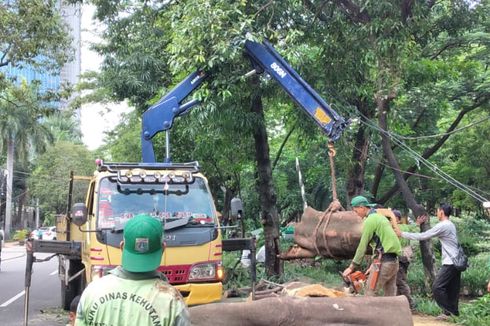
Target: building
<point x="70" y="73"/>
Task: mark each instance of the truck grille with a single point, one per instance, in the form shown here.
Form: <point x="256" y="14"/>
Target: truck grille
<point x="176" y="274"/>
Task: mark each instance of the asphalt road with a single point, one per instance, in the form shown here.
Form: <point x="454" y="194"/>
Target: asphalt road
<point x="44" y="298"/>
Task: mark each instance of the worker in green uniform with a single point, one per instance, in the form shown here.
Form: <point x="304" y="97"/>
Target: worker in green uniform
<point x="378" y="229"/>
<point x="134" y="293"/>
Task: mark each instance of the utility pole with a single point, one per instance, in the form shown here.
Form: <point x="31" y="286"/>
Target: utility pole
<point x="37" y="213"/>
<point x="2" y="195"/>
<point x="10" y="186"/>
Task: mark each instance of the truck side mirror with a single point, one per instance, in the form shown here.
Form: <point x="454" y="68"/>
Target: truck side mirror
<point x="79" y="214"/>
<point x="236" y="207"/>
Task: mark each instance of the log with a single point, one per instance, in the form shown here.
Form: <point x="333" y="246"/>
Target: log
<point x="331" y="234"/>
<point x="374" y="311"/>
<point x="334" y="233"/>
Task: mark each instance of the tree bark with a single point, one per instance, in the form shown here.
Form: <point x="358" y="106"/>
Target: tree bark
<point x="355" y="183"/>
<point x="229" y="194"/>
<point x="354" y="311"/>
<point x="356" y="180"/>
<point x="20" y="207"/>
<point x="265" y="186"/>
<point x="378" y="174"/>
<point x="425" y="246"/>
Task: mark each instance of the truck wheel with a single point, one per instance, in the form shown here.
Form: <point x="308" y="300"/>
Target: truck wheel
<point x="67" y="294"/>
<point x="75" y="287"/>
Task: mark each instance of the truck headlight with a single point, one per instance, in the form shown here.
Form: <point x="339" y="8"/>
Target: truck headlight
<point x="203" y="272"/>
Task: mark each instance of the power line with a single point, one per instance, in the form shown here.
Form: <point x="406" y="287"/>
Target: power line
<point x="397" y="139"/>
<point x="427" y="163"/>
<point x="445" y="133"/>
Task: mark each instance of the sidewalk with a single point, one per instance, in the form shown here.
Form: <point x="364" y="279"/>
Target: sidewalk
<point x="11" y="244"/>
<point x="12" y="250"/>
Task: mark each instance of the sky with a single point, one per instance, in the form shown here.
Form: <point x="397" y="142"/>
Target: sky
<point x="95" y="118"/>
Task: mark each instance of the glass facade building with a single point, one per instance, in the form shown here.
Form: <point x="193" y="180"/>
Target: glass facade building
<point x="70" y="72"/>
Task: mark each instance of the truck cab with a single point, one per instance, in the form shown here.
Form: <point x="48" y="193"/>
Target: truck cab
<point x="178" y="196"/>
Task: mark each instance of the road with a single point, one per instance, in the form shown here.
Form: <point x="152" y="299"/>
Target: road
<point x="44" y="305"/>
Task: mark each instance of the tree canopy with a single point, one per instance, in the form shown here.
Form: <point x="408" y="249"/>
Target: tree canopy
<point x="411" y="75"/>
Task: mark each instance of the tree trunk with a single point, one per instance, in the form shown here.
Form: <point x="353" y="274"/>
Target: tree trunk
<point x="356" y="180"/>
<point x="425" y="246"/>
<point x="20" y="207"/>
<point x="378" y="174"/>
<point x="265" y="186"/>
<point x="355" y="183"/>
<point x="10" y="183"/>
<point x="229" y="194"/>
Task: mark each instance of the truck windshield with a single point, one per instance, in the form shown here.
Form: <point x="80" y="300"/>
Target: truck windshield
<point x="168" y="202"/>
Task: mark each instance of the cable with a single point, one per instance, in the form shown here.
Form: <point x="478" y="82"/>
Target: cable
<point x="445" y="133"/>
<point x="427" y="163"/>
<point x="396" y="138"/>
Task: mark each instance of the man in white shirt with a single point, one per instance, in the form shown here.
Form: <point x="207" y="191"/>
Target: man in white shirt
<point x="447" y="283"/>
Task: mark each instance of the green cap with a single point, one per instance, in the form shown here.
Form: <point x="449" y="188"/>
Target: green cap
<point x="143" y="236"/>
<point x="361" y="201"/>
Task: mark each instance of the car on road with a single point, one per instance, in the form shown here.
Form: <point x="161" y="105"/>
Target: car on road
<point x="44" y="233"/>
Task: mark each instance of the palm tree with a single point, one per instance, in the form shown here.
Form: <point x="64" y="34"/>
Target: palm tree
<point x="64" y="127"/>
<point x="22" y="132"/>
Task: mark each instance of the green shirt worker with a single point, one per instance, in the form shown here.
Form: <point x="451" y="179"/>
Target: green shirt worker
<point x="134" y="293"/>
<point x="376" y="228"/>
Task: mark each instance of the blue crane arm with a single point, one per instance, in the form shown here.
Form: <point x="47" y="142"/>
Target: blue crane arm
<point x="160" y="116"/>
<point x="264" y="56"/>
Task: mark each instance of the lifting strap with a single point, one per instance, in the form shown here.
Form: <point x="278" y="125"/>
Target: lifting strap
<point x="331" y="155"/>
<point x="332" y="208"/>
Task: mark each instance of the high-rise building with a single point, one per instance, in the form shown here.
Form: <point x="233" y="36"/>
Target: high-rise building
<point x="70" y="73"/>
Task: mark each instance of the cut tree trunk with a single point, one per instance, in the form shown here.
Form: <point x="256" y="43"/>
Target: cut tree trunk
<point x="330" y="234"/>
<point x="290" y="311"/>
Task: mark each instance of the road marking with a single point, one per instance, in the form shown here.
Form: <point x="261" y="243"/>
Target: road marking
<point x="55" y="272"/>
<point x="6" y="303"/>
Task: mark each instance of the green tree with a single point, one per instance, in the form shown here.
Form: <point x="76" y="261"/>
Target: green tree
<point x="50" y="178"/>
<point x="64" y="127"/>
<point x="32" y="34"/>
<point x="22" y="133"/>
<point x="404" y="62"/>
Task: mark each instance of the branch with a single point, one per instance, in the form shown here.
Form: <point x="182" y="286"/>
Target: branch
<point x="431" y="3"/>
<point x="353" y="11"/>
<point x="446" y="47"/>
<point x="406" y="10"/>
<point x="263" y="7"/>
<point x="380" y="168"/>
<point x="318" y="12"/>
<point x="432" y="150"/>
<point x="279" y="152"/>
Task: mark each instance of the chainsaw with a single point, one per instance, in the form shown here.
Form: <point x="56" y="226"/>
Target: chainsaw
<point x="354" y="281"/>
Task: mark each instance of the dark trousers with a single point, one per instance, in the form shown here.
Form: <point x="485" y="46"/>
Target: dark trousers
<point x="402" y="287"/>
<point x="446" y="289"/>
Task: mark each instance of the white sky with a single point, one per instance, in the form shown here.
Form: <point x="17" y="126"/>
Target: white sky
<point x="95" y="118"/>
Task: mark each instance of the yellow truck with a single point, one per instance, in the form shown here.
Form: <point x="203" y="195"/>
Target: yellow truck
<point x="176" y="194"/>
